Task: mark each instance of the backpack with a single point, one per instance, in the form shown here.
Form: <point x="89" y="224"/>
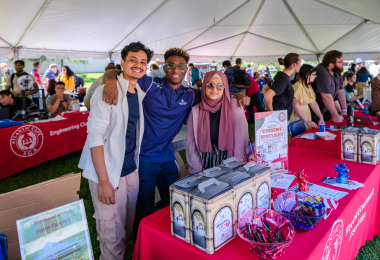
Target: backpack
<point x="241" y="77"/>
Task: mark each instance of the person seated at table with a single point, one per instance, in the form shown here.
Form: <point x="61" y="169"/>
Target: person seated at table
<point x="67" y="76"/>
<point x="350" y="87"/>
<point x="374" y="108"/>
<point x="51" y="87"/>
<point x="350" y="97"/>
<point x="216" y="128"/>
<point x="110" y="157"/>
<point x="362" y="79"/>
<point x="281" y="93"/>
<point x="8" y="100"/>
<point x="57" y="102"/>
<point x="304" y="97"/>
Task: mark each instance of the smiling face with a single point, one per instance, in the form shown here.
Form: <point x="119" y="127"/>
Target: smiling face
<point x="19" y="67"/>
<point x="214" y="93"/>
<point x="176" y="75"/>
<point x="135" y="65"/>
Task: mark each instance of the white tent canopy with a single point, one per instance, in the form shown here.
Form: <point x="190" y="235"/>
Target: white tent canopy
<point x="255" y="30"/>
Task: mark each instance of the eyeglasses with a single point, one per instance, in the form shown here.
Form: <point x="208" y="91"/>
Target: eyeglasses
<point x="211" y="86"/>
<point x="172" y="66"/>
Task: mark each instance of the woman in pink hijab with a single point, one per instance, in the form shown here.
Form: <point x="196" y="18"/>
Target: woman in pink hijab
<point x="216" y="128"/>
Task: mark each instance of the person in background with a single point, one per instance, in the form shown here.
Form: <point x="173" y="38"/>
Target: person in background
<point x="329" y="86"/>
<point x="198" y="84"/>
<point x="350" y="86"/>
<point x="230" y="73"/>
<point x="12" y="83"/>
<point x="216" y="127"/>
<point x="266" y="72"/>
<point x="350" y="97"/>
<point x="374" y="68"/>
<point x="51" y="72"/>
<point x="281" y="93"/>
<point x="253" y="91"/>
<point x="350" y="69"/>
<point x="250" y="70"/>
<point x="363" y="78"/>
<point x="374" y="108"/>
<point x="7" y="71"/>
<point x="37" y="77"/>
<point x="79" y="82"/>
<point x="94" y="86"/>
<point x="155" y="72"/>
<point x="14" y="104"/>
<point x="118" y="67"/>
<point x="51" y="87"/>
<point x="194" y="73"/>
<point x="57" y="102"/>
<point x="67" y="76"/>
<point x="259" y="80"/>
<point x="304" y="97"/>
<point x="359" y="64"/>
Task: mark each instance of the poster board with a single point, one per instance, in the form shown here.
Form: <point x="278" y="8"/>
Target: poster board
<point x="59" y="233"/>
<point x="271" y="138"/>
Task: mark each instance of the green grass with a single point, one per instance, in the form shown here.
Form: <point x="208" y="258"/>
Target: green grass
<point x="69" y="163"/>
<point x="90" y="77"/>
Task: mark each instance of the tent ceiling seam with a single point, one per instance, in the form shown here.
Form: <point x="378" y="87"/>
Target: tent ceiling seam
<point x="284" y="43"/>
<point x="339" y="9"/>
<point x="221" y="20"/>
<point x="356" y="27"/>
<point x="154" y="11"/>
<point x="10" y="45"/>
<point x="249" y="26"/>
<point x="233" y="36"/>
<point x="33" y="22"/>
<point x="299" y="24"/>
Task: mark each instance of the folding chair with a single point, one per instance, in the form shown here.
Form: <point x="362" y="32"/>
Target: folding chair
<point x="296" y="128"/>
<point x="3" y="247"/>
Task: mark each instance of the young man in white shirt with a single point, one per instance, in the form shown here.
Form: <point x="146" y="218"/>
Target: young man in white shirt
<point x="110" y="157"/>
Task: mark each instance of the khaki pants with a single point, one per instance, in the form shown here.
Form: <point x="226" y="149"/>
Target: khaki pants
<point x="87" y="103"/>
<point x="114" y="222"/>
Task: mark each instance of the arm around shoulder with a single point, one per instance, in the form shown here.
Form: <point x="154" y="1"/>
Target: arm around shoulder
<point x="193" y="157"/>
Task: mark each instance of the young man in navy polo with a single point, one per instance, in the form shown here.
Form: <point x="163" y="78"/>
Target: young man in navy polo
<point x="166" y="106"/>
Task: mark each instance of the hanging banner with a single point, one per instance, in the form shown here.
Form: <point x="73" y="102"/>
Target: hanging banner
<point x="60" y="233"/>
<point x="271" y="137"/>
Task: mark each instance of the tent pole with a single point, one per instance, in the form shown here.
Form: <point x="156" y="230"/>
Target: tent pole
<point x="299" y="24"/>
<point x="155" y="10"/>
<point x="250" y="26"/>
<point x="233" y="11"/>
<point x="33" y="21"/>
<point x="2" y="39"/>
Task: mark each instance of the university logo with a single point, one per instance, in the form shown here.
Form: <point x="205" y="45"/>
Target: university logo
<point x="334" y="242"/>
<point x="27" y="141"/>
<point x="182" y="103"/>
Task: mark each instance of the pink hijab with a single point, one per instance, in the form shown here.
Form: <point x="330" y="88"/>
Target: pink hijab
<point x="226" y="140"/>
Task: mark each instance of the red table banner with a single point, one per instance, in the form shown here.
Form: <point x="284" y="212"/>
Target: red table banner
<point x="27" y="145"/>
<point x="340" y="236"/>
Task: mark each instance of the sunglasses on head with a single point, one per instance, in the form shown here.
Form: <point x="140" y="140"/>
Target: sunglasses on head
<point x="211" y="85"/>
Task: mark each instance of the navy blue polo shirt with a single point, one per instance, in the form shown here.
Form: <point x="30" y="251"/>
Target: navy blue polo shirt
<point x="165" y="111"/>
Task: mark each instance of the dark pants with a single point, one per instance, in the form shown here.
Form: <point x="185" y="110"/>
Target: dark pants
<point x="255" y="101"/>
<point x="36" y="101"/>
<point x="151" y="174"/>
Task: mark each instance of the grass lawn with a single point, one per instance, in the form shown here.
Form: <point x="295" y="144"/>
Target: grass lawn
<point x="69" y="163"/>
<point x="90" y="77"/>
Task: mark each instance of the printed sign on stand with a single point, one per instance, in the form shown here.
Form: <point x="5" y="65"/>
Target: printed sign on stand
<point x="60" y="233"/>
<point x="271" y="138"/>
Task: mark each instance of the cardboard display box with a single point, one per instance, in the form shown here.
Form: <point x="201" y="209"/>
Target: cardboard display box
<point x="349" y="144"/>
<point x="31" y="200"/>
<point x="73" y="105"/>
<point x="369" y="146"/>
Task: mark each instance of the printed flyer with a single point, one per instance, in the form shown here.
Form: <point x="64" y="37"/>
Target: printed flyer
<point x="271" y="137"/>
<point x="60" y="233"/>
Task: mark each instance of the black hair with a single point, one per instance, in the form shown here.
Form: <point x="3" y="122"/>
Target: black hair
<point x="350" y="74"/>
<point x="118" y="66"/>
<point x="6" y="92"/>
<point x="289" y="59"/>
<point x="226" y="63"/>
<point x="136" y="47"/>
<point x="19" y="61"/>
<point x="177" y="52"/>
<point x="60" y="83"/>
<point x="331" y="57"/>
<point x="238" y="60"/>
<point x="191" y="64"/>
<point x="69" y="72"/>
<point x="36" y="64"/>
<point x="304" y="72"/>
<point x="353" y="65"/>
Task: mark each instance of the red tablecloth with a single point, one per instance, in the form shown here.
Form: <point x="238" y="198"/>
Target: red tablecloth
<point x="25" y="146"/>
<point x="374" y="119"/>
<point x="318" y="143"/>
<point x="358" y="212"/>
